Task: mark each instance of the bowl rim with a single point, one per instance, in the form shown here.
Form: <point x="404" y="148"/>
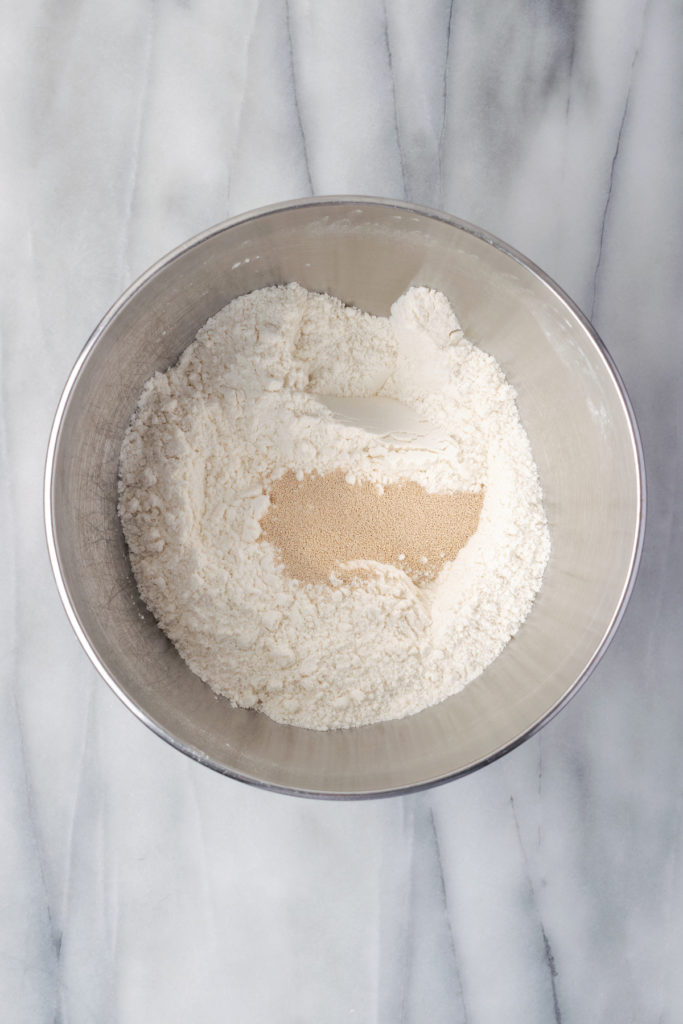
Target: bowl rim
<point x="157" y="267"/>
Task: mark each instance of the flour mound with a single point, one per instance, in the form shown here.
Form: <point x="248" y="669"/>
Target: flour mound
<point x="238" y="411"/>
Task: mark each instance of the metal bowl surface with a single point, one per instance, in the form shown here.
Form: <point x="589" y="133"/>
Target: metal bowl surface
<point x="572" y="404"/>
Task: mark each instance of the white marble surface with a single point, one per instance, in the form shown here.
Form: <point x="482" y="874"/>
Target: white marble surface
<point x="138" y="886"/>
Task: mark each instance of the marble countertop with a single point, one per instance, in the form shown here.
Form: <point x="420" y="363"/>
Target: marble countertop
<point x="138" y="886"/>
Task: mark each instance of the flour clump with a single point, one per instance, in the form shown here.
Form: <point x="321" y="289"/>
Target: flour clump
<point x="232" y="440"/>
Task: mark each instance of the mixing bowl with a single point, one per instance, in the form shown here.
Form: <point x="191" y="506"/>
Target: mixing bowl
<point x="571" y="402"/>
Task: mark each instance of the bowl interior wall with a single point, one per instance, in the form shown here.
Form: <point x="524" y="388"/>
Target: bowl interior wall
<point x="367" y="255"/>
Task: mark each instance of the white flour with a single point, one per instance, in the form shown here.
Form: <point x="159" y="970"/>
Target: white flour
<point x="236" y="412"/>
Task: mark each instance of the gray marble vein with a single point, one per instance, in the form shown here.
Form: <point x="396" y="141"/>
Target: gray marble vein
<point x="137" y="886"/>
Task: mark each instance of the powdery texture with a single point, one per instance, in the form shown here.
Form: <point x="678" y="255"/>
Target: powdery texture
<point x="322" y="522"/>
<point x="211" y="435"/>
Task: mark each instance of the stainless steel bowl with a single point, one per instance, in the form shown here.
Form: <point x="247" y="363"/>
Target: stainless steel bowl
<point x="571" y="401"/>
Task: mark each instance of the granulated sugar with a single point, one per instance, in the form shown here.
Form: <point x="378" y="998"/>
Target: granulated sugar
<point x="321" y="523"/>
<point x="207" y="504"/>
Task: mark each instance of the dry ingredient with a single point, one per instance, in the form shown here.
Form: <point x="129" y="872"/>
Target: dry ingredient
<point x="207" y="497"/>
<point x="321" y="523"/>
